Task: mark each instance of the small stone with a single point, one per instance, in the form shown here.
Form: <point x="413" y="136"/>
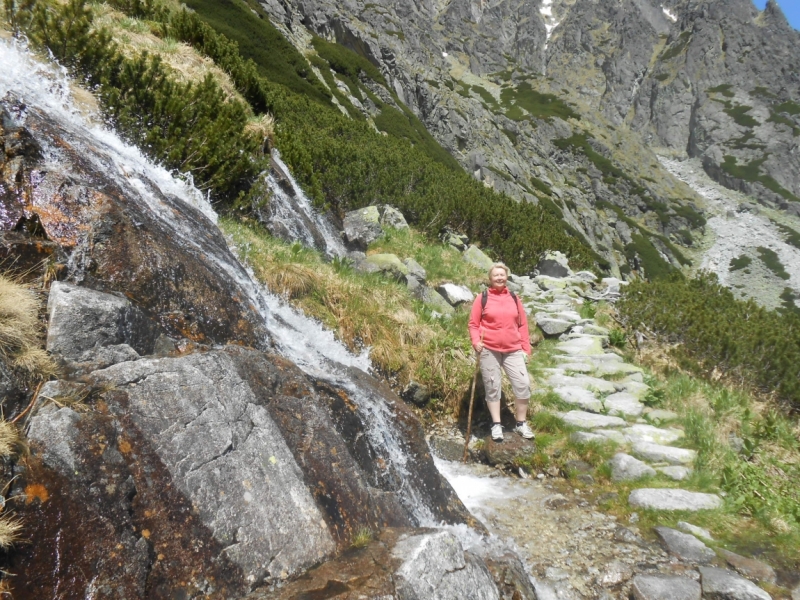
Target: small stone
<point x="555" y="574"/>
<point x="750" y="567"/>
<point x="721" y="584"/>
<point x="556" y="501"/>
<point x="669" y="499"/>
<point x="553" y="326"/>
<point x="455" y="294"/>
<point x="664" y="587"/>
<point x="695" y="530"/>
<point x="627" y="468"/>
<point x="625" y="535"/>
<point x="615" y="573"/>
<point x="685" y="546"/>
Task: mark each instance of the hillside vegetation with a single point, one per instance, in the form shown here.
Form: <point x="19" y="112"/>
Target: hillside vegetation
<point x="342" y="162"/>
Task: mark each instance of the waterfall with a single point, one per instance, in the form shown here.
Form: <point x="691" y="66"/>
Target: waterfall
<point x="26" y="84"/>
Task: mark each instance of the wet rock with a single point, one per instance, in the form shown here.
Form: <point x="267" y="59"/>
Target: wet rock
<point x="509" y="452"/>
<point x="477" y="258"/>
<point x="510" y="576"/>
<point x="555" y="502"/>
<point x="416" y="393"/>
<point x="435" y="565"/>
<point x="749" y="567"/>
<point x="685" y="546"/>
<point x="362" y="227"/>
<point x="720" y="584"/>
<point x="81" y="320"/>
<point x="448" y="448"/>
<point x="670" y="499"/>
<point x="627" y="468"/>
<point x="664" y="587"/>
<point x="544" y="591"/>
<point x="659" y="453"/>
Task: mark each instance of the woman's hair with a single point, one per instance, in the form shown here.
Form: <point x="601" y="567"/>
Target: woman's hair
<point x="498" y="265"/>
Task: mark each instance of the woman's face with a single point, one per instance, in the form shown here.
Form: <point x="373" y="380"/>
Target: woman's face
<point x="498" y="278"/>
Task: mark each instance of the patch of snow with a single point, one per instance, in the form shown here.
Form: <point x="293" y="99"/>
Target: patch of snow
<point x="550" y="22"/>
<point x="669" y="15"/>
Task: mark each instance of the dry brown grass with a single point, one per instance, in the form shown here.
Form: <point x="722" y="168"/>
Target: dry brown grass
<point x="10" y="529"/>
<point x="20" y="332"/>
<point x="11" y="441"/>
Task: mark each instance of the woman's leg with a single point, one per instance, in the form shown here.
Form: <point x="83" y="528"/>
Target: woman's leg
<point x="521" y="406"/>
<point x="517" y="371"/>
<point x="491" y="373"/>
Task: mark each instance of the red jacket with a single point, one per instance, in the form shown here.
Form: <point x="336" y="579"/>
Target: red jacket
<point x="504" y="324"/>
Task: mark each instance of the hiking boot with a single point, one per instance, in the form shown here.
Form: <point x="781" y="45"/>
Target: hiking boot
<point x="497" y="432"/>
<point x="525" y="431"/>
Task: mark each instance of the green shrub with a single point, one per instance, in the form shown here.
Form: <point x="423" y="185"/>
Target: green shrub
<point x="740" y="262"/>
<point x="715" y="330"/>
<point x="537" y="104"/>
<point x="772" y="262"/>
<point x="751" y="172"/>
<point x="677" y="47"/>
<point x="724" y="89"/>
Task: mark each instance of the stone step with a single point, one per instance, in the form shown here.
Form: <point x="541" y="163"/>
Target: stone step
<point x="664" y="587"/>
<point x="651" y="434"/>
<point x="623" y="404"/>
<point x="586" y="420"/>
<point x="685" y="546"/>
<point x="578" y="396"/>
<point x="626" y="468"/>
<point x="675" y="472"/>
<point x="672" y="499"/>
<point x="594" y="384"/>
<point x="658" y="453"/>
<point x="583" y="346"/>
<point x="721" y="583"/>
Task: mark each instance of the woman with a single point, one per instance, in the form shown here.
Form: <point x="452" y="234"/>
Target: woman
<point x="498" y="328"/>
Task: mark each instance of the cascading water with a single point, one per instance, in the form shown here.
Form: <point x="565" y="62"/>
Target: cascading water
<point x="291" y="217"/>
<point x="27" y="84"/>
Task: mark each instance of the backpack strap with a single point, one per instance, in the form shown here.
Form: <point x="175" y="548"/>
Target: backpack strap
<point x="485" y="298"/>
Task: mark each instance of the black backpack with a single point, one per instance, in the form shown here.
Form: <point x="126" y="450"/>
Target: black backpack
<point x="485" y="298"/>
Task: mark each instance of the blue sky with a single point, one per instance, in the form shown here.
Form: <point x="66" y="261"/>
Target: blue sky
<point x="791" y="8"/>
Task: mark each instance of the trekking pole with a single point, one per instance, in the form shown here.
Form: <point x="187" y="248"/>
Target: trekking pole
<point x="471" y="401"/>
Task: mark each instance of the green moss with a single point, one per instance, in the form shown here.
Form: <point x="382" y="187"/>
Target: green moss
<point x="397" y="34"/>
<point x="739" y="115"/>
<point x="404" y="125"/>
<point x="346" y="62"/>
<point x="792" y="236"/>
<point x="541" y="186"/>
<point x="724" y="89"/>
<point x="739" y="263"/>
<point x="511" y="136"/>
<point x="751" y="172"/>
<point x="772" y="262"/>
<point x="486" y="96"/>
<point x="763" y="92"/>
<point x="789" y="300"/>
<point x="655" y="267"/>
<point x="789" y="107"/>
<point x="677" y="47"/>
<point x="662" y="76"/>
<point x="693" y="216"/>
<point x="536" y="104"/>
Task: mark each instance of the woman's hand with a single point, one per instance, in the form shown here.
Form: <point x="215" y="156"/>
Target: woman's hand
<point x="478" y="347"/>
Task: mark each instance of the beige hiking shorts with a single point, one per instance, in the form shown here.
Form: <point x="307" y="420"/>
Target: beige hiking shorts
<point x="513" y="363"/>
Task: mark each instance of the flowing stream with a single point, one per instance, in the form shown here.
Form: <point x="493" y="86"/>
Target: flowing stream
<point x="27" y="84"/>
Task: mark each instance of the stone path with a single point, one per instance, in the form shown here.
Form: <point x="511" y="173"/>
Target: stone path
<point x="575" y="551"/>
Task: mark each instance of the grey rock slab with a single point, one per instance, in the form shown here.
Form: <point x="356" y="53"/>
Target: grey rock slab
<point x="685" y="546"/>
<point x="665" y="587"/>
<point x="362" y="227"/>
<point x="586" y="420"/>
<point x="415" y="269"/>
<point x="553" y="326"/>
<point x="675" y="472"/>
<point x="568" y="315"/>
<point x="659" y="453"/>
<point x="391" y="217"/>
<point x="554" y="264"/>
<point x="389" y="265"/>
<point x="721" y="584"/>
<point x="434" y="300"/>
<point x="615" y="573"/>
<point x="577" y="367"/>
<point x="619" y="368"/>
<point x="579" y="396"/>
<point x="56" y="429"/>
<point x="477" y="258"/>
<point x="626" y="468"/>
<point x="670" y="499"/>
<point x="749" y="567"/>
<point x="695" y="530"/>
<point x="592" y="329"/>
<point x="623" y="404"/>
<point x="649" y="433"/>
<point x="584" y="437"/>
<point x="435" y="566"/>
<point x="211" y="435"/>
<point x="594" y="384"/>
<point x="81" y="319"/>
<point x="635" y="388"/>
<point x="612" y="434"/>
<point x="455" y="294"/>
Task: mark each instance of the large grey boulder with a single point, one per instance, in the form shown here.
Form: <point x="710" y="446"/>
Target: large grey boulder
<point x="477" y="258"/>
<point x="670" y="499"/>
<point x="627" y="468"/>
<point x="82" y="320"/>
<point x="553" y="327"/>
<point x="386" y="264"/>
<point x="554" y="264"/>
<point x="362" y="227"/>
<point x="434" y="300"/>
<point x="434" y="565"/>
<point x="391" y="217"/>
<point x="664" y="587"/>
<point x="685" y="546"/>
<point x="721" y="584"/>
<point x="455" y="294"/>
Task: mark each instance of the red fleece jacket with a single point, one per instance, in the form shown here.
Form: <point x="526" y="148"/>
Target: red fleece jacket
<point x="504" y="324"/>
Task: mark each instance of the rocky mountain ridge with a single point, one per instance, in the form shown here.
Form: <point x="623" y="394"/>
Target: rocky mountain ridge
<point x="565" y="102"/>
